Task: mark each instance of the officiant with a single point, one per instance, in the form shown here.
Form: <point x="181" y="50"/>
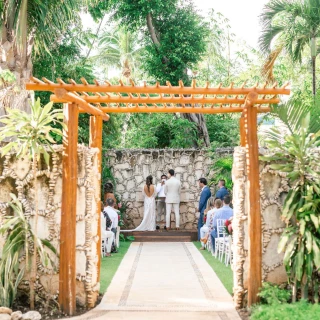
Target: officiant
<point x="161" y="198"/>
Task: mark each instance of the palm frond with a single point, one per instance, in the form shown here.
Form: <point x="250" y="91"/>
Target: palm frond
<point x="267" y="67"/>
<point x="294" y="113"/>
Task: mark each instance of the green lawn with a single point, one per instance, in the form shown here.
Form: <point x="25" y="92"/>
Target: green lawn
<point x="109" y="265"/>
<point x="224" y="273"/>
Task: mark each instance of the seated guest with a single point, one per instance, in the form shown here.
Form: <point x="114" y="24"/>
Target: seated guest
<point x="106" y="234"/>
<point x="108" y="193"/>
<point x="113" y="215"/>
<point x="208" y="227"/>
<point x="207" y="216"/>
<point x="224" y="213"/>
<point x="222" y="189"/>
<point x="205" y="194"/>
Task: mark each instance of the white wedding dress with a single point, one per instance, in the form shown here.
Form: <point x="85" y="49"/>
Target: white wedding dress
<point x="148" y="222"/>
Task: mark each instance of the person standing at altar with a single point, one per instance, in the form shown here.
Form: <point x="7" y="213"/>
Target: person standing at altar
<point x="161" y="202"/>
<point x="223" y="191"/>
<point x="172" y="190"/>
<point x="205" y="194"/>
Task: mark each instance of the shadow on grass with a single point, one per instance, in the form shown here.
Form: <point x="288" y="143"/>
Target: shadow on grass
<point x="224" y="273"/>
<point x="109" y="266"/>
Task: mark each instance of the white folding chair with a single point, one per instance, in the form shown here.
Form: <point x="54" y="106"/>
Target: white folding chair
<point x="220" y="239"/>
<point x="228" y="252"/>
<point x="103" y="241"/>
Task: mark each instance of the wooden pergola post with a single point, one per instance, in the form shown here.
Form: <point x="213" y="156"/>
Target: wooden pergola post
<point x="242" y="131"/>
<point x="96" y="142"/>
<point x="254" y="212"/>
<point x="67" y="274"/>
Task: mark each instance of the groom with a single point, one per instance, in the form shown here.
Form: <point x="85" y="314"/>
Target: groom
<point x="172" y="191"/>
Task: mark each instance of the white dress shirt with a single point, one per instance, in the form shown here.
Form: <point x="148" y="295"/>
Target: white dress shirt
<point x="113" y="215"/>
<point x="160" y="190"/>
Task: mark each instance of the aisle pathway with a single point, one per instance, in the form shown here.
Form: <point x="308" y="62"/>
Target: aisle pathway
<point x="164" y="281"/>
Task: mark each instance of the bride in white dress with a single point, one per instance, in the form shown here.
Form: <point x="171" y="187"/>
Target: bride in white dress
<point x="149" y="217"/>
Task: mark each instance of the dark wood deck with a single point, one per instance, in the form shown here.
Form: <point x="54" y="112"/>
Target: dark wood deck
<point x="164" y="236"/>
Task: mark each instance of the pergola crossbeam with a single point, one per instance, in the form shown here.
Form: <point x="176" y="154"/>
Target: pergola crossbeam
<point x="132" y="98"/>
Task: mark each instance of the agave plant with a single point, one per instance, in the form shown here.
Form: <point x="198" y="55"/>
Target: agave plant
<point x="30" y="135"/>
<point x="295" y="153"/>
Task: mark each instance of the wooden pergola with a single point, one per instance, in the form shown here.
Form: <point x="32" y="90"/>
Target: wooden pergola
<point x="100" y="99"/>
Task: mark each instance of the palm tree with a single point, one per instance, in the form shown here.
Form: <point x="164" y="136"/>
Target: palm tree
<point x="118" y="48"/>
<point x="27" y="25"/>
<point x="290" y="26"/>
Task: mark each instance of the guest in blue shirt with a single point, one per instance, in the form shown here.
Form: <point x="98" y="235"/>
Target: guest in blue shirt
<point x="224" y="213"/>
<point x="204" y="196"/>
<point x="222" y="189"/>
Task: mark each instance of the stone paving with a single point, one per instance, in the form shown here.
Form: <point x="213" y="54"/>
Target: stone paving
<point x="164" y="281"/>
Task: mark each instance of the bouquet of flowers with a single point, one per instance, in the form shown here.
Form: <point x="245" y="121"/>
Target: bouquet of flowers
<point x="228" y="227"/>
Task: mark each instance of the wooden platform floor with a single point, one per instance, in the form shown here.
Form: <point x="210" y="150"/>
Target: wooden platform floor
<point x="164" y="236"/>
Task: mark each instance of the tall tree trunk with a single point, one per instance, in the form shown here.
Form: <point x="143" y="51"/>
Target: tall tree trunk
<point x="200" y="121"/>
<point x="192" y="117"/>
<point x="125" y="129"/>
<point x="314" y="88"/>
<point x="15" y="96"/>
<point x="313" y="47"/>
<point x="33" y="273"/>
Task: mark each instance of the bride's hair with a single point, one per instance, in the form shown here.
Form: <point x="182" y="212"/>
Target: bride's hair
<point x="149" y="182"/>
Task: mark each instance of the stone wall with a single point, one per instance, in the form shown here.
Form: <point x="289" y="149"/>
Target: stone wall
<point x="16" y="177"/>
<point x="273" y="189"/>
<point x="131" y="167"/>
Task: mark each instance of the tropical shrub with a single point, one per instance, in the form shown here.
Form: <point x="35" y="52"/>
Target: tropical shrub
<point x="10" y="278"/>
<point x="30" y="135"/>
<point x="272" y="294"/>
<point x="18" y="232"/>
<point x="222" y="169"/>
<point x="294" y="311"/>
<point x="294" y="151"/>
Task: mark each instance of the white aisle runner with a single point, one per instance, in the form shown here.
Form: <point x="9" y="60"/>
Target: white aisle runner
<point x="164" y="281"/>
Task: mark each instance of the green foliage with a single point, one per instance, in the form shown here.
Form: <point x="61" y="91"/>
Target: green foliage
<point x="10" y="278"/>
<point x="272" y="294"/>
<point x="223" y="130"/>
<point x="31" y="133"/>
<point x="109" y="266"/>
<point x="18" y="232"/>
<point x="182" y="35"/>
<point x="123" y="238"/>
<point x="290" y="26"/>
<point x="300" y="240"/>
<point x="6" y="78"/>
<point x="159" y="131"/>
<point x="222" y="169"/>
<point x="65" y="62"/>
<point x="133" y="13"/>
<point x="295" y="311"/>
<point x="43" y="21"/>
<point x="224" y="273"/>
<point x="119" y="48"/>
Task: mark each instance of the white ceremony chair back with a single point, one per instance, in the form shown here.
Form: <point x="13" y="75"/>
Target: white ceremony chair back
<point x="103" y="240"/>
<point x="219" y="241"/>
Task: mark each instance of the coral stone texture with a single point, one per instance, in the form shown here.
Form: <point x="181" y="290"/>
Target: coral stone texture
<point x="273" y="188"/>
<point x="16" y="177"/>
